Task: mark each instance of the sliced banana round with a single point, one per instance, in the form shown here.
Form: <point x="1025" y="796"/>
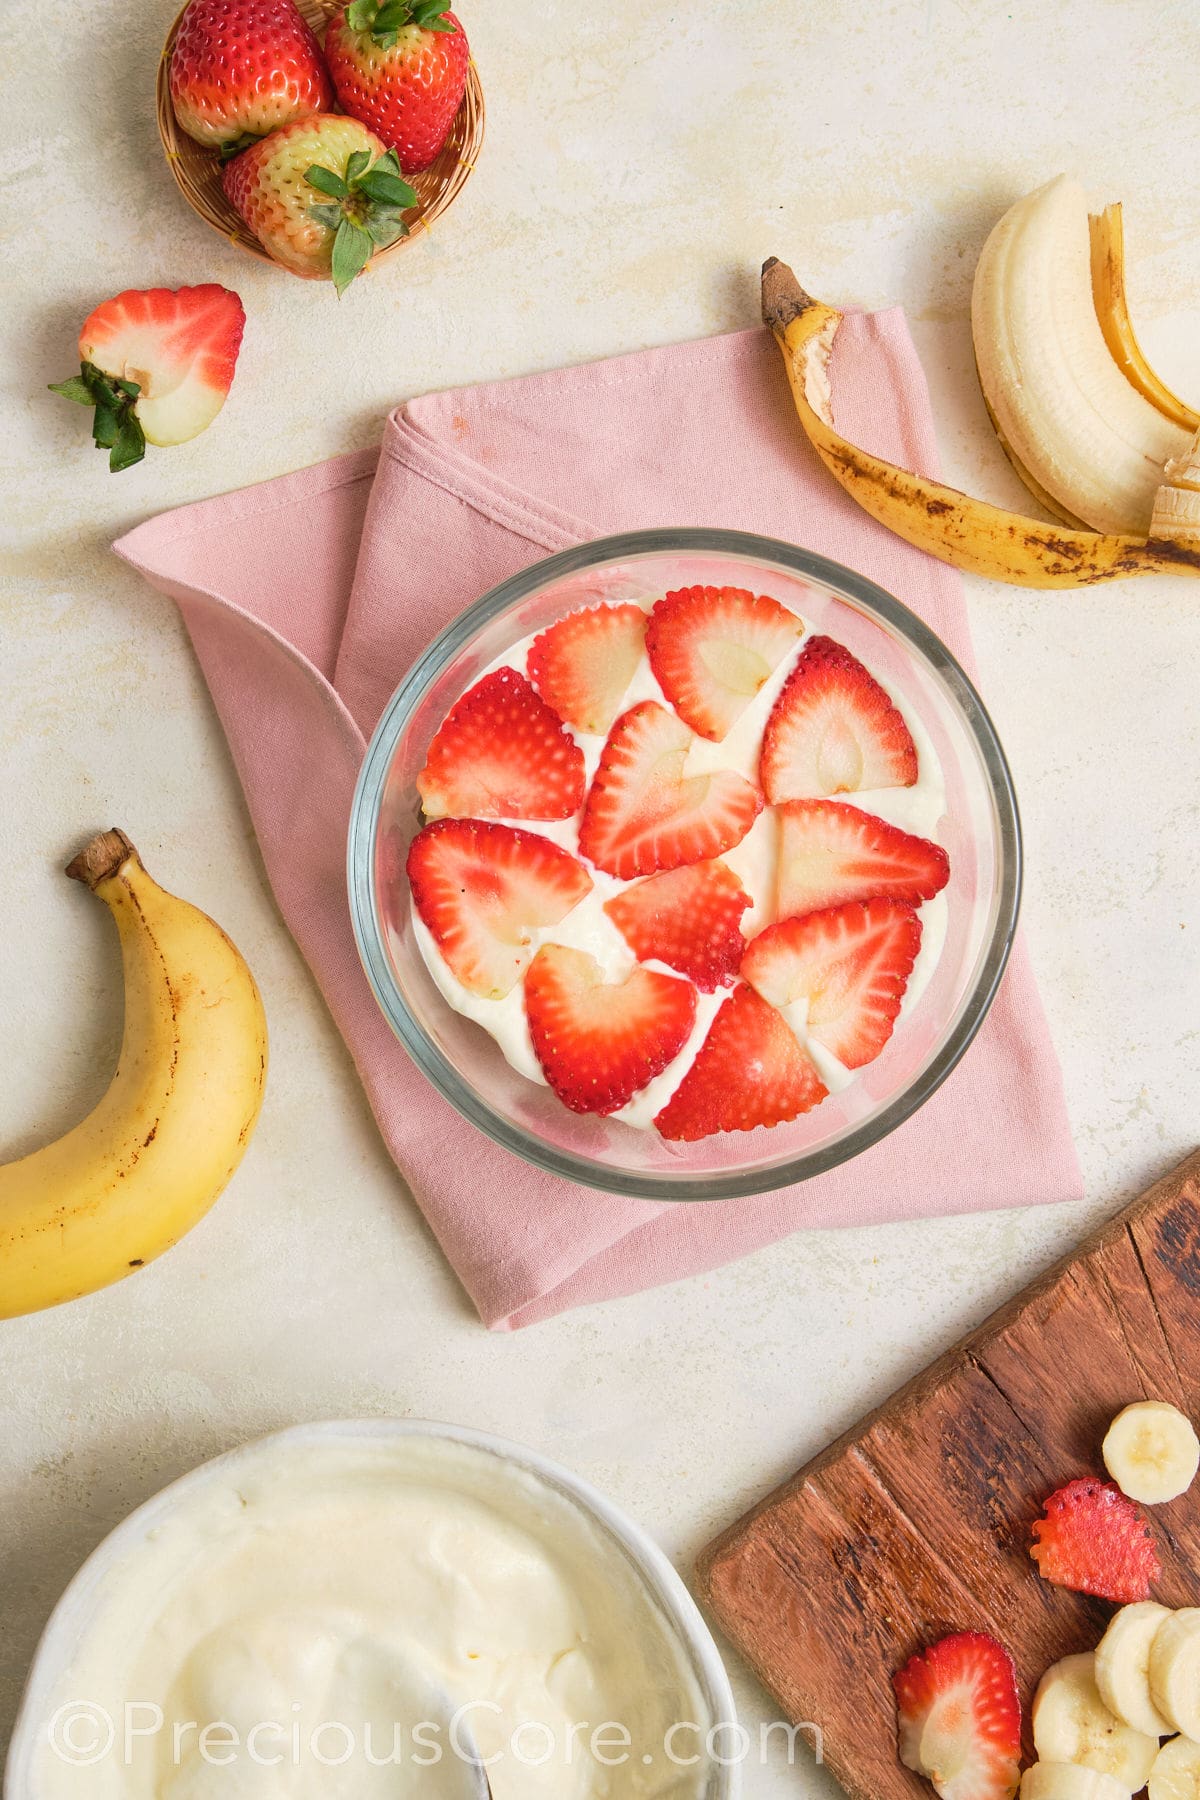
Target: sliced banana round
<point x="1123" y="1667"/>
<point x="1071" y="1781"/>
<point x="1176" y="1771"/>
<point x="1152" y="1452"/>
<point x="1175" y="1670"/>
<point x="1071" y="1724"/>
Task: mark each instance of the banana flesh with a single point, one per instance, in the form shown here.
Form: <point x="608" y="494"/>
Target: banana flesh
<point x="1071" y="1724"/>
<point x="149" y="1160"/>
<point x="1123" y="1666"/>
<point x="1068" y="1781"/>
<point x="1063" y="407"/>
<point x="1152" y="1452"/>
<point x="1175" y="1671"/>
<point x="1176" y="1771"/>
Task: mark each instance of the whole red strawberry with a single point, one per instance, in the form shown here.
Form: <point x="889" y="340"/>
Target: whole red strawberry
<point x="241" y="68"/>
<point x="401" y="67"/>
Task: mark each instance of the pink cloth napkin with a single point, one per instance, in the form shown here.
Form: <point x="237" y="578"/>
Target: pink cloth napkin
<point x="307" y="598"/>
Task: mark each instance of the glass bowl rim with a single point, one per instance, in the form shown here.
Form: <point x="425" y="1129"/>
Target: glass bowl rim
<point x="428" y="1055"/>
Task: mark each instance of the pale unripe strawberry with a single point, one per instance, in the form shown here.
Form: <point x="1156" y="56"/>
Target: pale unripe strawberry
<point x="241" y="68"/>
<point x="320" y="195"/>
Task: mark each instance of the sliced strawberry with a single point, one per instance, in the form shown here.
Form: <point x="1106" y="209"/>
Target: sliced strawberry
<point x="960" y="1717"/>
<point x="689" y="918"/>
<point x="712" y="648"/>
<point x="156" y="365"/>
<point x="482" y="890"/>
<point x="1095" y="1541"/>
<point x="750" y="1071"/>
<point x="583" y="665"/>
<point x="830" y="853"/>
<point x="833" y="730"/>
<point x="599" y="1041"/>
<point x="502" y="753"/>
<point x="642" y="814"/>
<point x="851" y="963"/>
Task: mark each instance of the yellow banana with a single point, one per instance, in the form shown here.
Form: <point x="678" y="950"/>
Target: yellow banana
<point x="971" y="534"/>
<point x="1107" y="236"/>
<point x="153" y="1155"/>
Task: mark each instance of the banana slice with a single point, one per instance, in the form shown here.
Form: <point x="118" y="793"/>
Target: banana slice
<point x="1071" y="1781"/>
<point x="1071" y="1724"/>
<point x="1152" y="1452"/>
<point x="1123" y="1667"/>
<point x="1175" y="1670"/>
<point x="1176" y="1771"/>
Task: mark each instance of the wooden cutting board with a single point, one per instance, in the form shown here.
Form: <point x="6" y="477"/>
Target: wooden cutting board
<point x="917" y="1522"/>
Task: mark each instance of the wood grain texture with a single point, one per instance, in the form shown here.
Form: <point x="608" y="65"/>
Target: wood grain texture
<point x="917" y="1521"/>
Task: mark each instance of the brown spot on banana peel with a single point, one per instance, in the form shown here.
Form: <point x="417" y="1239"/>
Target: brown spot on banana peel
<point x="971" y="534"/>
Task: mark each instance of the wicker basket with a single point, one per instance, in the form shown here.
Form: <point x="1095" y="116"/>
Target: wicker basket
<point x="197" y="171"/>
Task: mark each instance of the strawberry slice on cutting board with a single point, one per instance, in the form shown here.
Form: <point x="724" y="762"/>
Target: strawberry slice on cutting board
<point x="502" y="753"/>
<point x="851" y="963"/>
<point x="156" y="365"/>
<point x="583" y="665"/>
<point x="482" y="890"/>
<point x="830" y="853"/>
<point x="711" y="649"/>
<point x="1095" y="1541"/>
<point x="600" y="1042"/>
<point x="750" y="1071"/>
<point x="643" y="814"/>
<point x="960" y="1717"/>
<point x="688" y="918"/>
<point x="833" y="730"/>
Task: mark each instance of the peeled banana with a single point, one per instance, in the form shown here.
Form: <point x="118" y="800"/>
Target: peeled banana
<point x="1071" y="1724"/>
<point x="1100" y="443"/>
<point x="153" y="1155"/>
<point x="1072" y="422"/>
<point x="1152" y="1452"/>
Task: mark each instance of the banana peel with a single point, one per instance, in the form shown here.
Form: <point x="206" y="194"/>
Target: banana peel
<point x="1107" y="230"/>
<point x="970" y="534"/>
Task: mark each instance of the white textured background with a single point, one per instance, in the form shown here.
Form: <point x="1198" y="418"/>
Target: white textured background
<point x="640" y="163"/>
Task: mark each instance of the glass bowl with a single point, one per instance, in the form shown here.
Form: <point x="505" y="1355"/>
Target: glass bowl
<point x="981" y="832"/>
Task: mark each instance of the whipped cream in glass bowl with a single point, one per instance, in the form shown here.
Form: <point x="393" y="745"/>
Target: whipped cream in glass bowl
<point x="376" y="1608"/>
<point x="478" y="1051"/>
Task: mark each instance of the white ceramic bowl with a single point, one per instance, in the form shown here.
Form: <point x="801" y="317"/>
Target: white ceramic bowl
<point x="73" y="1614"/>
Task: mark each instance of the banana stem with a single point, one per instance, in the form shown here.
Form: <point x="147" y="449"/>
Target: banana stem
<point x="100" y="859"/>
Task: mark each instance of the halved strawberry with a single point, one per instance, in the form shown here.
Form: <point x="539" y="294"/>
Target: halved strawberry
<point x="689" y="918"/>
<point x="833" y="730"/>
<point x="1094" y="1540"/>
<point x="750" y="1071"/>
<point x="642" y="814"/>
<point x="599" y="1041"/>
<point x="960" y="1717"/>
<point x="156" y="365"/>
<point x="712" y="648"/>
<point x="482" y="890"/>
<point x="851" y="963"/>
<point x="583" y="665"/>
<point x="502" y="753"/>
<point x="830" y="853"/>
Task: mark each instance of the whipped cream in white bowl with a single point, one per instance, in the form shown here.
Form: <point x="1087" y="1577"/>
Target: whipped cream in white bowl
<point x="376" y="1608"/>
<point x="478" y="1053"/>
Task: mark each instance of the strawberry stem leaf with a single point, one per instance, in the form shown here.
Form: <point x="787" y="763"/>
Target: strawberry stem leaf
<point x="236" y="145"/>
<point x="352" y="247"/>
<point x="386" y="21"/>
<point x="115" y="424"/>
<point x="377" y="184"/>
<point x="326" y="182"/>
